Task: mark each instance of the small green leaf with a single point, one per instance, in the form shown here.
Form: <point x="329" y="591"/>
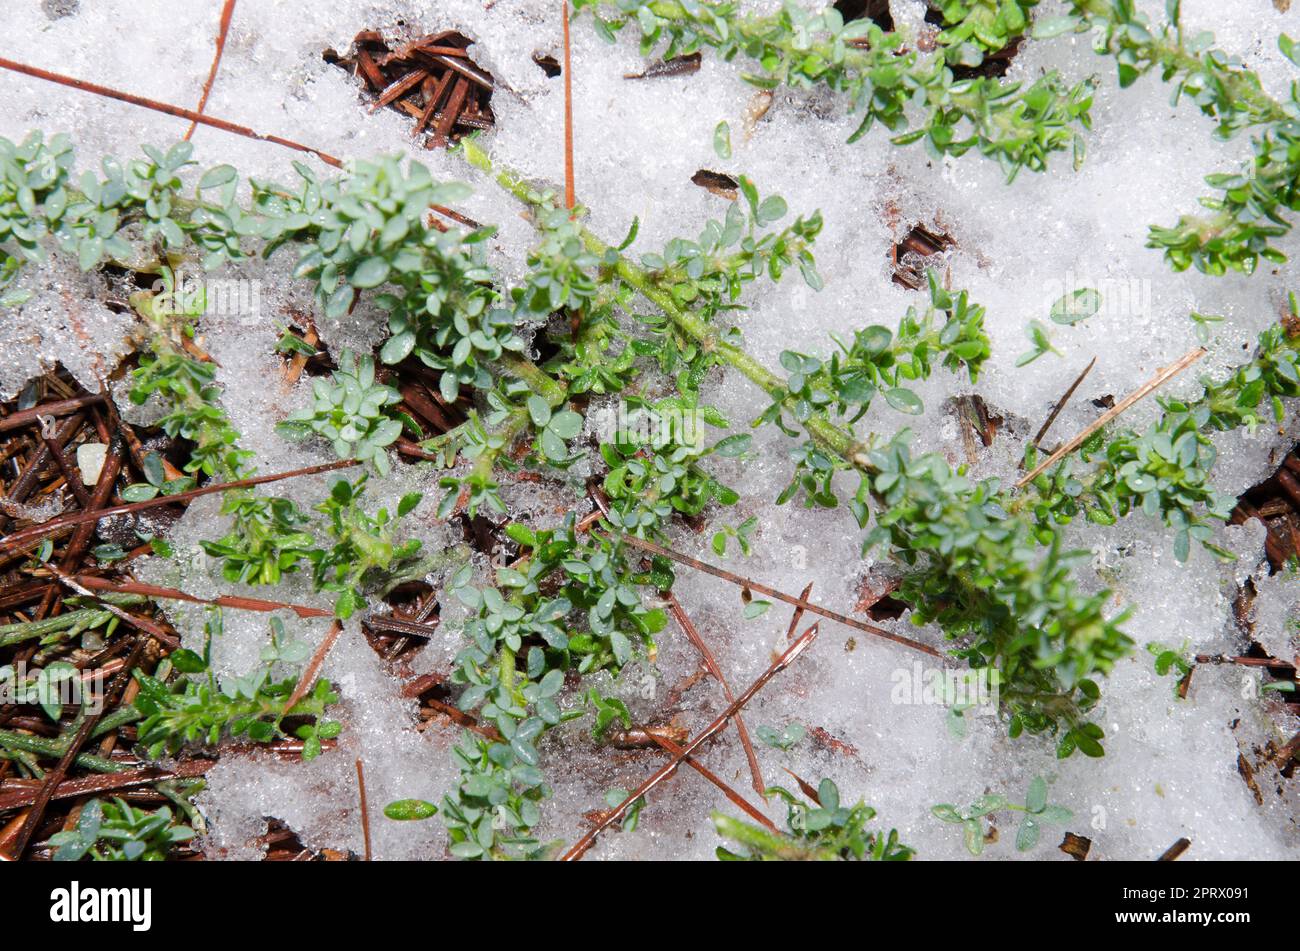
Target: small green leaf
<point x="1076" y="306"/>
<point x="722" y="140"/>
<point x="404" y="810"/>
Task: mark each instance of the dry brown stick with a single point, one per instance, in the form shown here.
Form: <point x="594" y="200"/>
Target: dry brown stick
<point x="442" y="128"/>
<point x="569" y="196"/>
<point x="613" y="815"/>
<point x="25" y="484"/>
<point x="57" y="408"/>
<point x="139" y="623"/>
<point x="1289" y="749"/>
<point x="165" y="108"/>
<point x="471" y="73"/>
<point x="223" y="28"/>
<point x="1175" y="850"/>
<point x="1161" y="377"/>
<point x="687" y="625"/>
<point x="222" y="600"/>
<point x="313" y="666"/>
<point x="1060" y="404"/>
<point x="779" y="595"/>
<point x="75" y="552"/>
<point x="467" y="720"/>
<point x="798" y="612"/>
<point x="365" y="808"/>
<point x="400" y="87"/>
<point x="435" y="97"/>
<point x="397" y="625"/>
<point x="26" y="535"/>
<point x="16" y="795"/>
<point x="740" y="801"/>
<point x="71" y="474"/>
<point x="1243" y="661"/>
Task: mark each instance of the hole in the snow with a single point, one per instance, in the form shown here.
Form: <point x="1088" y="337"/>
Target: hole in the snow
<point x="1276" y="503"/>
<point x="915" y="252"/>
<point x="888" y="608"/>
<point x="549" y="64"/>
<point x="994" y="65"/>
<point x="877" y="11"/>
<point x="397" y="636"/>
<point x="431" y="79"/>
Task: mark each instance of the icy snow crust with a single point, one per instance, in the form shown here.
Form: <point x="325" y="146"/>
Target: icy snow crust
<point x="1171" y="766"/>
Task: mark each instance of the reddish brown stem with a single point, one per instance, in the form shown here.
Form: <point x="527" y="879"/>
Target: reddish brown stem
<point x="740" y="801"/>
<point x="569" y="196"/>
<point x="365" y="808"/>
<point x="165" y="108"/>
<point x="687" y="625"/>
<point x="736" y="579"/>
<point x="28" y="535"/>
<point x="227" y="12"/>
<point x="613" y="815"/>
<point x="313" y="666"/>
<point x="223" y="600"/>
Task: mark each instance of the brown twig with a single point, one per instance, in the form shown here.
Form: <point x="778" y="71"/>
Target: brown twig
<point x="57" y="408"/>
<point x="687" y="625"/>
<point x="1060" y="404"/>
<point x="569" y="196"/>
<point x="17" y="794"/>
<point x="165" y="108"/>
<point x="797" y="616"/>
<point x="740" y="801"/>
<point x="222" y="600"/>
<point x="313" y="666"/>
<point x="17" y="539"/>
<point x="365" y="808"/>
<point x="139" y="623"/>
<point x="1175" y="850"/>
<point x="613" y="815"/>
<point x="779" y="595"/>
<point x="226" y="13"/>
<point x="1161" y="377"/>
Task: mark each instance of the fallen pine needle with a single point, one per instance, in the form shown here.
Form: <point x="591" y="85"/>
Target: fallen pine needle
<point x="313" y="667"/>
<point x="613" y="815"/>
<point x="1163" y="376"/>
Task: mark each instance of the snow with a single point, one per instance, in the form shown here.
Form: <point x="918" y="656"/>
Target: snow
<point x="1171" y="765"/>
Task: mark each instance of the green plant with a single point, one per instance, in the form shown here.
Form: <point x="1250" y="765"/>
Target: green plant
<point x="266" y="539"/>
<point x="367" y="230"/>
<point x="878" y="361"/>
<point x="986" y="25"/>
<point x="879" y="73"/>
<point x="823" y="831"/>
<point x="364" y="556"/>
<point x="786" y="738"/>
<point x="1168" y="659"/>
<point x="1164" y="471"/>
<point x="350" y="413"/>
<point x="1247" y="215"/>
<point x="1042" y="343"/>
<point x="1037" y="811"/>
<point x="45" y="689"/>
<point x="988" y="564"/>
<point x="199" y="708"/>
<point x="110" y="830"/>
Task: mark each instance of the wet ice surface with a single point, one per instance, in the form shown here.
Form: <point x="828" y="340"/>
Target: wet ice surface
<point x="1171" y="765"/>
